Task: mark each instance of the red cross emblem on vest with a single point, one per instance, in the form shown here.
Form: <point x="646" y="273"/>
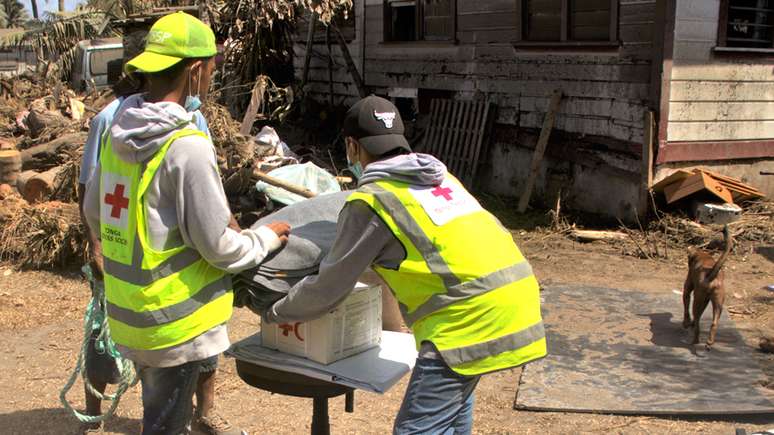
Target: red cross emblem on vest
<point x="117" y="200"/>
<point x="442" y="191"/>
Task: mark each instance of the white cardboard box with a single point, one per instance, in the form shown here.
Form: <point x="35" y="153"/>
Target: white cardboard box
<point x="353" y="327"/>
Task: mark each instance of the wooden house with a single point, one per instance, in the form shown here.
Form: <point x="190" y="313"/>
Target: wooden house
<point x="703" y="70"/>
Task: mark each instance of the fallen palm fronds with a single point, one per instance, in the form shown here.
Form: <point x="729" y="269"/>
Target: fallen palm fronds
<point x="43" y="236"/>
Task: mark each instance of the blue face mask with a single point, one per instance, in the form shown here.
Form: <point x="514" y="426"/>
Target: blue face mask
<point x="192" y="103"/>
<point x="356" y="168"/>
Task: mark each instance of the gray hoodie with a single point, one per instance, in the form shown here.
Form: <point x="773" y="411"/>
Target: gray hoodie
<point x="185" y="205"/>
<point x="362" y="239"/>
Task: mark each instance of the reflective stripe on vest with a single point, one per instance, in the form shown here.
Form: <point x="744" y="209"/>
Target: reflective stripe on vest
<point x="135" y="274"/>
<point x="455" y="290"/>
<point x="463" y="285"/>
<point x="155" y="298"/>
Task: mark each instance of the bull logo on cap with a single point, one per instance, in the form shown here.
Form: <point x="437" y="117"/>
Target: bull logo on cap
<point x="386" y="117"/>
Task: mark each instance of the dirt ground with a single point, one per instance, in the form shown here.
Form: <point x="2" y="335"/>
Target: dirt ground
<point x="40" y="330"/>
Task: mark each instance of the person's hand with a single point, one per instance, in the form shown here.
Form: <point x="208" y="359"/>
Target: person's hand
<point x="281" y="229"/>
<point x="234" y="225"/>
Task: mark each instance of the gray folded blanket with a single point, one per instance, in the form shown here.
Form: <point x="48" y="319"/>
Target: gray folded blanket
<point x="313" y="230"/>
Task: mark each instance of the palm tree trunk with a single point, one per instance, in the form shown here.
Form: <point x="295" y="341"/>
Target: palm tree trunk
<point x="34" y="4"/>
<point x="61" y="5"/>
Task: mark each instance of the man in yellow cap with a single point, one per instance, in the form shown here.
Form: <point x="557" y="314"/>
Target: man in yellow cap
<point x="163" y="220"/>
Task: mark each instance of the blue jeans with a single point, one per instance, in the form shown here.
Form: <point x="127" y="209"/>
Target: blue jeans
<point x="167" y="396"/>
<point x="437" y="401"/>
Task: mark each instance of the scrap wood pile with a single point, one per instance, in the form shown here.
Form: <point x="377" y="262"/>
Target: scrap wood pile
<point x="670" y="233"/>
<point x="43" y="126"/>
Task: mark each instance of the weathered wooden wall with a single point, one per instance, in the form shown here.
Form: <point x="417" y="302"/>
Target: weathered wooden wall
<point x="606" y="89"/>
<point x="716" y="96"/>
<point x="344" y="89"/>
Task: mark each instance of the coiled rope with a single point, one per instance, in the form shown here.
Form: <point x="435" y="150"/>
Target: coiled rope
<point x="95" y="319"/>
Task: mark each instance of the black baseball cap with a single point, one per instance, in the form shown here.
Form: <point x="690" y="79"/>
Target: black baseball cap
<point x="376" y="124"/>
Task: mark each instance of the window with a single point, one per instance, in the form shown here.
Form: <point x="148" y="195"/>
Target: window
<point x="99" y="60"/>
<point x="419" y="20"/>
<point x="569" y="20"/>
<point x="746" y="23"/>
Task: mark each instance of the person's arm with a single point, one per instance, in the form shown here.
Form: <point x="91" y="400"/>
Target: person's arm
<point x="361" y="238"/>
<point x="91" y="211"/>
<point x="203" y="214"/>
<point x="97" y="127"/>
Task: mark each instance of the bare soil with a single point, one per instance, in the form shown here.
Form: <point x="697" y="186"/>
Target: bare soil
<point x="40" y="331"/>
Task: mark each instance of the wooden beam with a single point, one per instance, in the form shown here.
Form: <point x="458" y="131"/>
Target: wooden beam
<point x="713" y="151"/>
<point x="723" y="24"/>
<point x="613" y="20"/>
<point x="330" y="65"/>
<point x="309" y="47"/>
<point x="361" y="88"/>
<point x="256" y="100"/>
<point x="537" y="157"/>
<point x="669" y="12"/>
<point x="647" y="163"/>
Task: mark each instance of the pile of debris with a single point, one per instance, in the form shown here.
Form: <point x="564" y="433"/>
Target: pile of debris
<point x="43" y="127"/>
<point x="699" y="203"/>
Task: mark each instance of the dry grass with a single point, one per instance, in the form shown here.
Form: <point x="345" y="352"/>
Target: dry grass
<point x="44" y="236"/>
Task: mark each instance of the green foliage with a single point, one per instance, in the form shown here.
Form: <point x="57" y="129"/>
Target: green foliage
<point x="12" y="14"/>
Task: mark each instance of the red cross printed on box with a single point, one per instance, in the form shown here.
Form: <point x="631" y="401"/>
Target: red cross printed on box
<point x="443" y="191"/>
<point x="117" y="200"/>
<point x="288" y="327"/>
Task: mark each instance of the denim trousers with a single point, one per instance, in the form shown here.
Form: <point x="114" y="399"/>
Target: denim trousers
<point x="437" y="401"/>
<point x="167" y="396"/>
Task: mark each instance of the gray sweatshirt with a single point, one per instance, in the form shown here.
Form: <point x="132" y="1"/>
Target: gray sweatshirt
<point x="362" y="239"/>
<point x="185" y="205"/>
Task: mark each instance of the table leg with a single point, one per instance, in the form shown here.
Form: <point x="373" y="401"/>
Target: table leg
<point x="320" y="423"/>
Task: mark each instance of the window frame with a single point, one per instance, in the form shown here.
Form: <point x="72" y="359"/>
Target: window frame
<point x="419" y="20"/>
<point x="722" y="41"/>
<point x="523" y="20"/>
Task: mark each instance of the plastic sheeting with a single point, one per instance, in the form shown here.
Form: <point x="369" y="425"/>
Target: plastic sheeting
<point x="308" y="175"/>
<point x="313" y="223"/>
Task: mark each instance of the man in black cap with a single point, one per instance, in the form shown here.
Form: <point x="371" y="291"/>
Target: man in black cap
<point x="464" y="289"/>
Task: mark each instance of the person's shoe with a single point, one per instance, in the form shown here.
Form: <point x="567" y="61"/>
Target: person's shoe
<point x="91" y="428"/>
<point x="214" y="424"/>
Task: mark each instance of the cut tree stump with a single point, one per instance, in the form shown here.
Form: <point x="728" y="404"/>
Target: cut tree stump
<point x="40" y="121"/>
<point x="10" y="166"/>
<point x="33" y="157"/>
<point x="39" y="186"/>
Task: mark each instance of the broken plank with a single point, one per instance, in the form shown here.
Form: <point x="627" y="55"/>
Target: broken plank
<point x="693" y="184"/>
<point x="680" y="174"/>
<point x="537" y="157"/>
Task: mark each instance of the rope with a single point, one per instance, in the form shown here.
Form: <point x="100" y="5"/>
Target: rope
<point x="94" y="319"/>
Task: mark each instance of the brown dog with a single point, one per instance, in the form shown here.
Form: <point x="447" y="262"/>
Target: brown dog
<point x="705" y="281"/>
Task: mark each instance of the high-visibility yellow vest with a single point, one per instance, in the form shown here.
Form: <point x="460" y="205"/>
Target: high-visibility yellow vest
<point x="464" y="285"/>
<point x="155" y="298"/>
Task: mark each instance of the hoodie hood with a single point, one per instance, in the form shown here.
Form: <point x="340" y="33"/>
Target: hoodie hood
<point x="140" y="128"/>
<point x="416" y="169"/>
